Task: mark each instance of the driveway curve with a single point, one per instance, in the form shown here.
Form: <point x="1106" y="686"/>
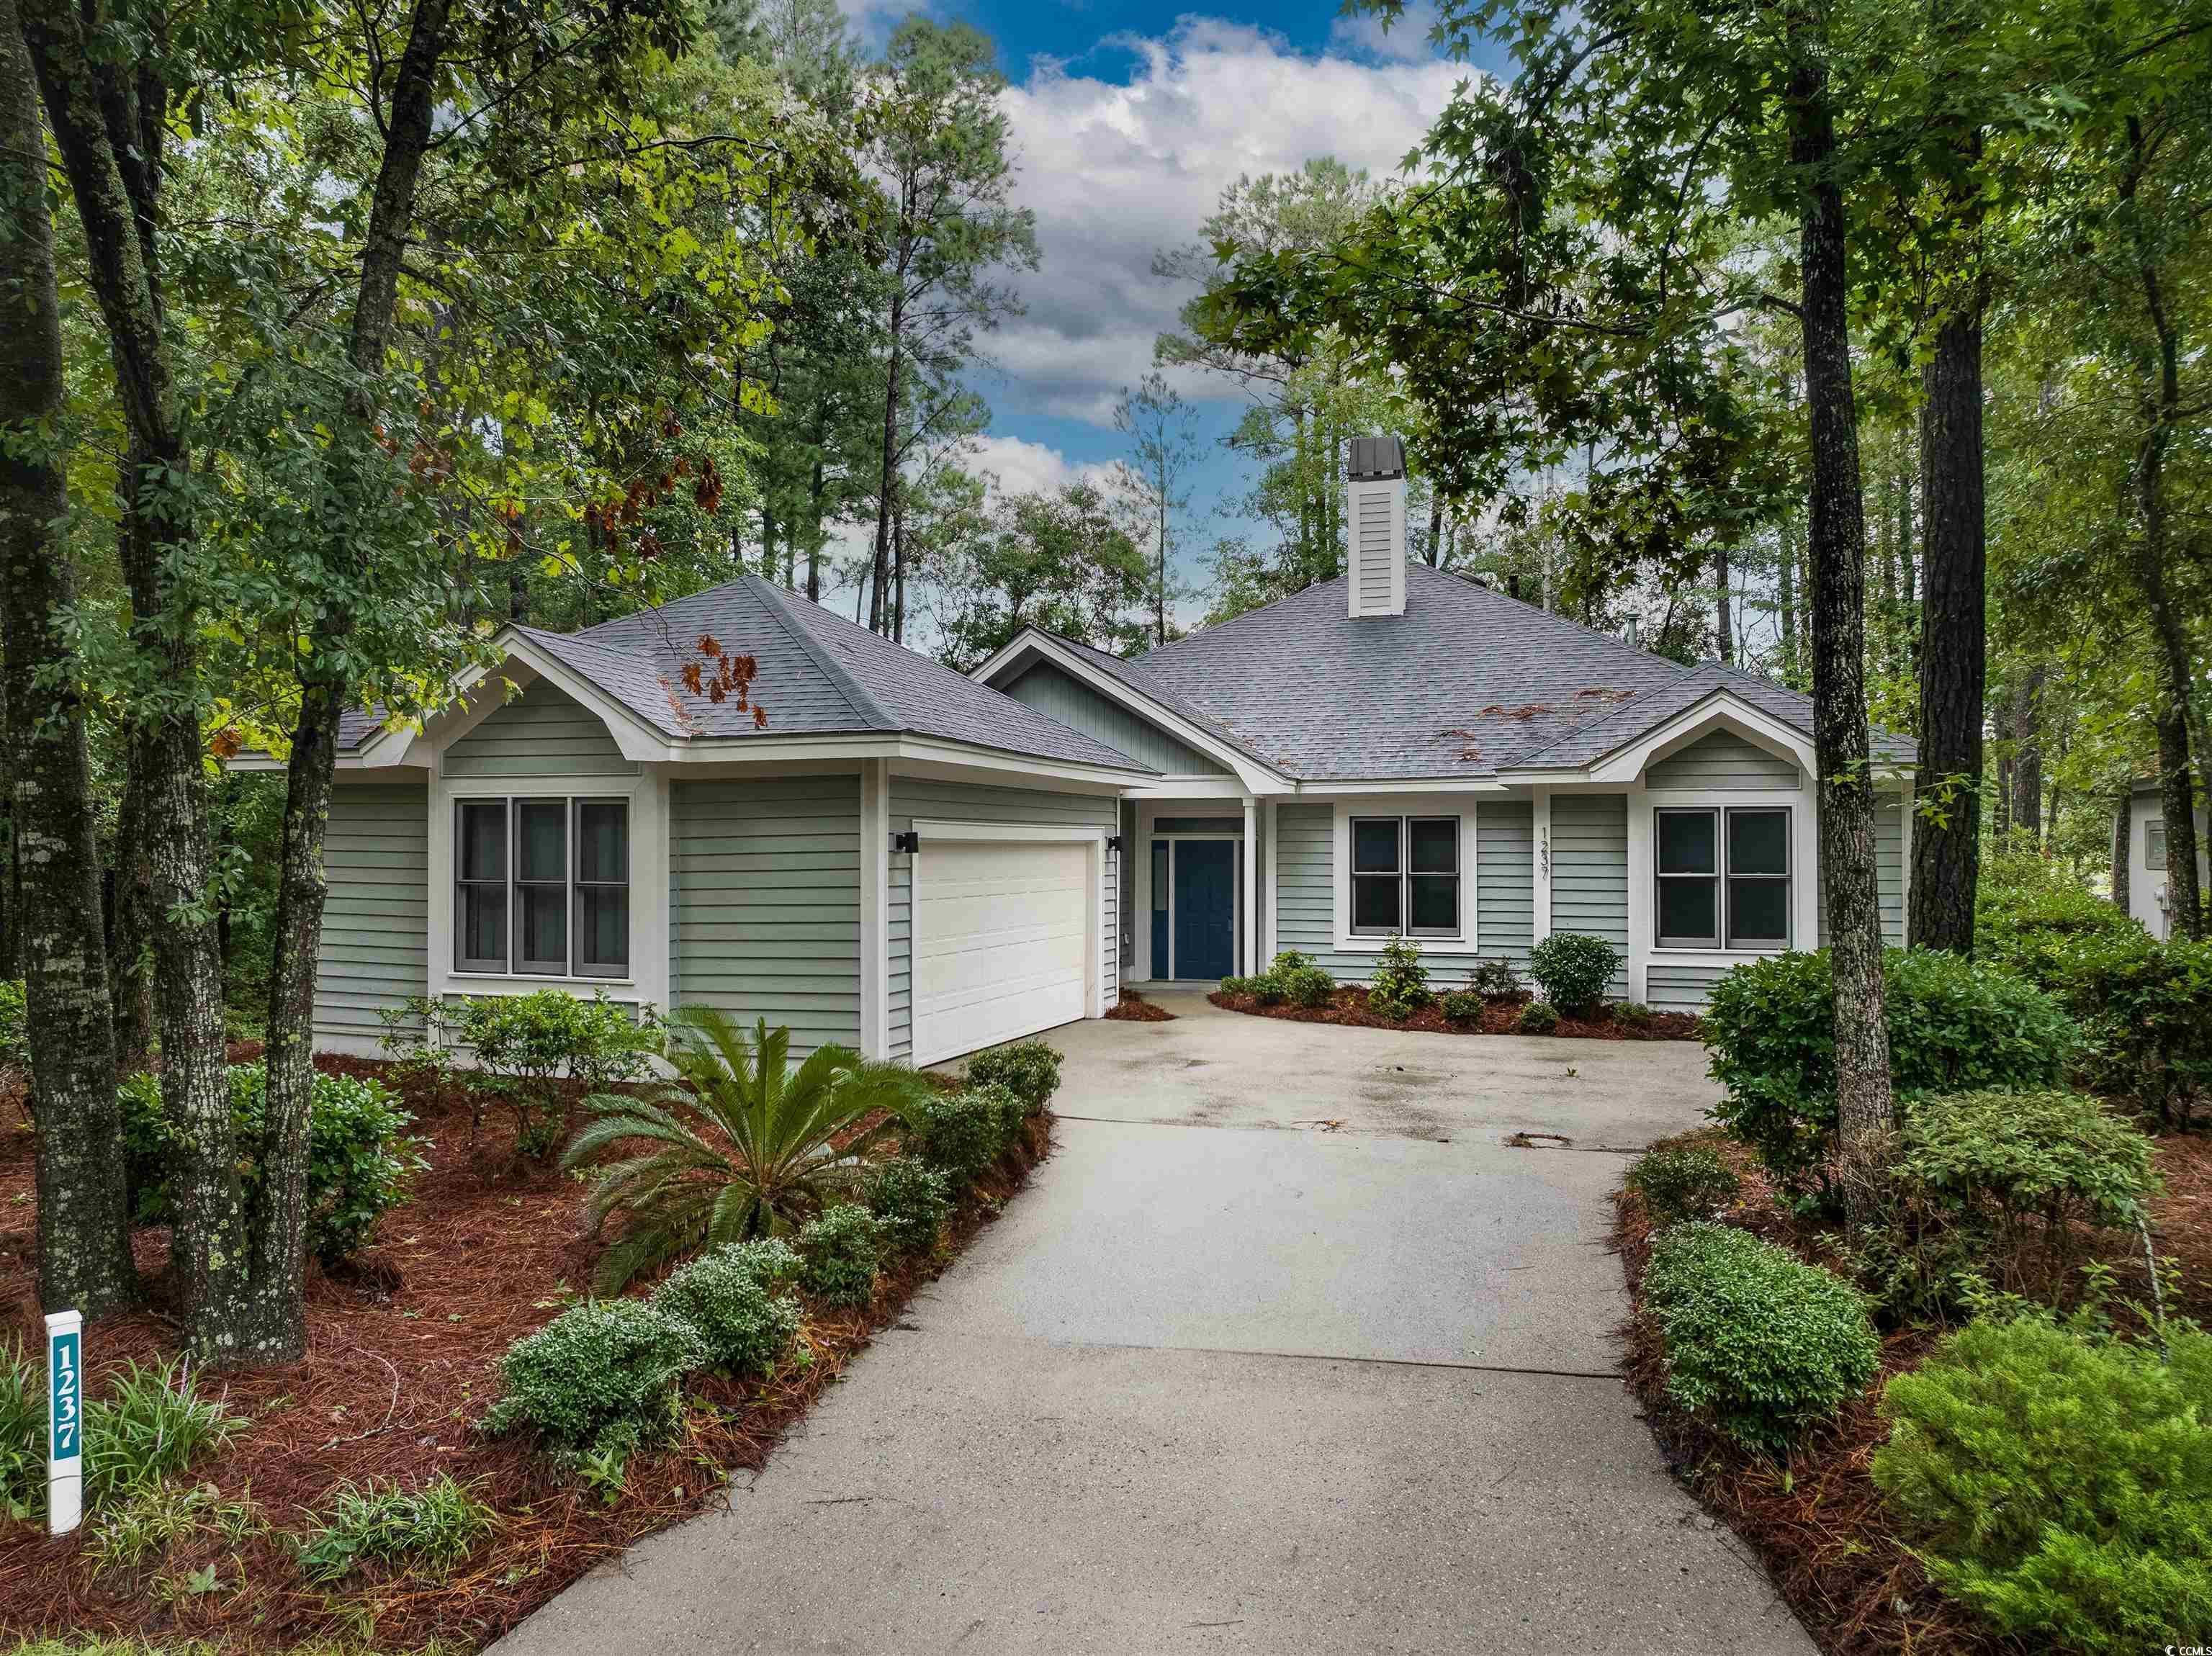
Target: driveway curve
<point x="1291" y="1347"/>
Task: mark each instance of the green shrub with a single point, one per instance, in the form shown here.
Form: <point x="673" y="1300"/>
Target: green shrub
<point x="1494" y="978"/>
<point x="2032" y="920"/>
<point x="22" y="1431"/>
<point x="745" y="1325"/>
<point x="12" y="1014"/>
<point x="738" y="1143"/>
<point x="1631" y="1014"/>
<point x="1307" y="987"/>
<point x="149" y="1424"/>
<point x="1763" y="1343"/>
<point x="1573" y="970"/>
<point x="531" y="1053"/>
<point x="1233" y="986"/>
<point x="1955" y="1027"/>
<point x="962" y="1133"/>
<point x="2059" y="1481"/>
<point x="2146" y="1009"/>
<point x="1029" y="1070"/>
<point x="1538" y="1017"/>
<point x="360" y="1157"/>
<point x="433" y="1529"/>
<point x="1685" y="1182"/>
<point x="1400" y="987"/>
<point x="1463" y="1006"/>
<point x="911" y="1201"/>
<point x="773" y="1262"/>
<point x="1287" y="960"/>
<point x="605" y="1375"/>
<point x="840" y="1251"/>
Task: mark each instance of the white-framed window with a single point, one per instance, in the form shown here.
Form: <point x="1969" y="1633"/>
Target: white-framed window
<point x="541" y="885"/>
<point x="1405" y="876"/>
<point x="2154" y="845"/>
<point x="1723" y="876"/>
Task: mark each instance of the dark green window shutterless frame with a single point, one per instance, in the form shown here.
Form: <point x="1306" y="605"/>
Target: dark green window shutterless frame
<point x="541" y="887"/>
<point x="1723" y="876"/>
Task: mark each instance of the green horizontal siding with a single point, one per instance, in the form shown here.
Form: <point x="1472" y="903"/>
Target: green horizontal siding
<point x="1671" y="986"/>
<point x="1304" y="893"/>
<point x="1058" y="695"/>
<point x="1589" y="870"/>
<point x="1722" y="761"/>
<point x="1505" y="879"/>
<point x="764" y="902"/>
<point x="376" y="947"/>
<point x="543" y="733"/>
<point x="1889" y="872"/>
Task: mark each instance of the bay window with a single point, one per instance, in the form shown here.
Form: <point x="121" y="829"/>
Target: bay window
<point x="541" y="887"/>
<point x="1724" y="877"/>
<point x="1406" y="876"/>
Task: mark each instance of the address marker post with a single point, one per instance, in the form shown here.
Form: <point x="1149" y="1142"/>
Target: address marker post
<point x="64" y="1421"/>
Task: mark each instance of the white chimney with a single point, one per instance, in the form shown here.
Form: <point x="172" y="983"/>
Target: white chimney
<point x="1375" y="527"/>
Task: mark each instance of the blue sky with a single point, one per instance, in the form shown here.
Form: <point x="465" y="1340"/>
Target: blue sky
<point x="1129" y="119"/>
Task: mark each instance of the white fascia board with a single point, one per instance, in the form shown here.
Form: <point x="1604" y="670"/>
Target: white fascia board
<point x="1717" y="710"/>
<point x="1338" y="789"/>
<point x="1256" y="777"/>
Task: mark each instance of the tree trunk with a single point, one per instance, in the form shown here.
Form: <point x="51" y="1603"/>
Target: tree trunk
<point x="1946" y="832"/>
<point x="2122" y="837"/>
<point x="83" y="1222"/>
<point x="130" y="920"/>
<point x="1865" y="1108"/>
<point x="1725" y="643"/>
<point x="898" y="566"/>
<point x="275" y="1327"/>
<point x="888" y="475"/>
<point x="1788" y="581"/>
<point x="2027" y="755"/>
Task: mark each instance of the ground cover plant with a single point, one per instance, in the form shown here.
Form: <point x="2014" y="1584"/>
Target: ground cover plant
<point x="342" y="1455"/>
<point x="1307" y="994"/>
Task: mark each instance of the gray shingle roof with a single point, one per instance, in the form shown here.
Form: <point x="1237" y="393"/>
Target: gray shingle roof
<point x="1467" y="683"/>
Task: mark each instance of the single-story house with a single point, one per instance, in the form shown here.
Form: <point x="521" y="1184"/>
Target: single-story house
<point x="920" y="863"/>
<point x="2148" y="893"/>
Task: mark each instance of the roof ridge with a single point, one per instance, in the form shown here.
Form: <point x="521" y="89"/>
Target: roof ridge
<point x="857" y="695"/>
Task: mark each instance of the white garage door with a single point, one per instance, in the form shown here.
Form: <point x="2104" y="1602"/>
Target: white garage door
<point x="1001" y="941"/>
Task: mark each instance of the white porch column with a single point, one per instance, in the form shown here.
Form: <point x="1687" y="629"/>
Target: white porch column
<point x="875" y="908"/>
<point x="1641" y="881"/>
<point x="1275" y="884"/>
<point x="1541" y="811"/>
<point x="1249" y="942"/>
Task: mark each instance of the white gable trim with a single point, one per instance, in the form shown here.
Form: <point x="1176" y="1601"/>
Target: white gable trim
<point x="1718" y="710"/>
<point x="1030" y="643"/>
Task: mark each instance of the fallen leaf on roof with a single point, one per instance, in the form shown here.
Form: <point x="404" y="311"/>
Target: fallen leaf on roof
<point x="1604" y="693"/>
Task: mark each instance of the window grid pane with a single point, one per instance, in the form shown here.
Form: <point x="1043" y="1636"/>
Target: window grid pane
<point x="1759" y="841"/>
<point x="1375" y="902"/>
<point x="1689" y="911"/>
<point x="1687" y="841"/>
<point x="1759" y="911"/>
<point x="1374" y="845"/>
<point x="541" y="887"/>
<point x="1433" y="843"/>
<point x="602" y="888"/>
<point x="1433" y="904"/>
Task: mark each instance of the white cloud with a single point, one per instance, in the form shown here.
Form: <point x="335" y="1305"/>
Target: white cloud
<point x="1021" y="467"/>
<point x="1116" y="171"/>
<point x="1405" y="41"/>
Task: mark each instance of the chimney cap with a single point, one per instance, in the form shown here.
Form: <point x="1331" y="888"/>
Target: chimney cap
<point x="1377" y="457"/>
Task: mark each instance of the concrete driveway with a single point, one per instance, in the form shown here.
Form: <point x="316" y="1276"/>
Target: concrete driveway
<point x="1286" y="1349"/>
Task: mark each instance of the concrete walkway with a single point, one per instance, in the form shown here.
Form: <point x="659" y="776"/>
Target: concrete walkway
<point x="1286" y="1349"/>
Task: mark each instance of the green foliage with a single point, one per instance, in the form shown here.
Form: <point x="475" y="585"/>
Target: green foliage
<point x="360" y="1157"/>
<point x="605" y="1376"/>
<point x="1631" y="1014"/>
<point x="151" y="1423"/>
<point x="961" y="1133"/>
<point x="1399" y="987"/>
<point x="728" y="1294"/>
<point x="1306" y="986"/>
<point x="12" y="1049"/>
<point x="737" y="1144"/>
<point x="1538" y="1017"/>
<point x="2146" y="1007"/>
<point x="2031" y="920"/>
<point x="1027" y="1069"/>
<point x="1762" y="1343"/>
<point x="1954" y="1026"/>
<point x="840" y="1252"/>
<point x="150" y="1520"/>
<point x="1573" y="970"/>
<point x="1686" y="1182"/>
<point x="22" y="1431"/>
<point x="2059" y="1481"/>
<point x="1463" y="1006"/>
<point x="1494" y="978"/>
<point x="911" y="1201"/>
<point x="431" y="1530"/>
<point x="1240" y="986"/>
<point x="531" y="1053"/>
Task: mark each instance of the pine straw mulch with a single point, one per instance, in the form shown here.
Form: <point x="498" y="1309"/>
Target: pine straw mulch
<point x="1500" y="1017"/>
<point x="1133" y="1008"/>
<point x="402" y="1353"/>
<point x="1818" y="1524"/>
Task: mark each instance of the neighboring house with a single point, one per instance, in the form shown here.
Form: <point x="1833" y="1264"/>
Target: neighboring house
<point x="920" y="863"/>
<point x="2148" y="893"/>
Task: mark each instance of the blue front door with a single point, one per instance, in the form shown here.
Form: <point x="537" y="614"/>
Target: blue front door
<point x="1205" y="908"/>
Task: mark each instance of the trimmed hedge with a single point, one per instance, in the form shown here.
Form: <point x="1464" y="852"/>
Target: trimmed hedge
<point x="607" y="1375"/>
<point x="1573" y="970"/>
<point x="1762" y="1343"/>
<point x="840" y="1251"/>
<point x="1684" y="1181"/>
<point x="1029" y="1070"/>
<point x="729" y="1298"/>
<point x="911" y="1201"/>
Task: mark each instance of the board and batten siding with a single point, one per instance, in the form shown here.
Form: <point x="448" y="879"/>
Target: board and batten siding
<point x="1590" y="870"/>
<point x="1060" y="696"/>
<point x="376" y="918"/>
<point x="932" y="800"/>
<point x="1723" y="761"/>
<point x="1303" y="890"/>
<point x="764" y="902"/>
<point x="543" y="733"/>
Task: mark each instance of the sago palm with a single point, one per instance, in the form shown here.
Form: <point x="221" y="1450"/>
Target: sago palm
<point x="738" y="1143"/>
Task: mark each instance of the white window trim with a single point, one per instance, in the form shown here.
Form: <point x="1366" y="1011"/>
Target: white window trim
<point x="647" y="795"/>
<point x="1143" y="968"/>
<point x="1643" y="803"/>
<point x="1721" y="875"/>
<point x="1465" y="807"/>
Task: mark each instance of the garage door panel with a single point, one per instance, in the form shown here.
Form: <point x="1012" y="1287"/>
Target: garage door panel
<point x="1002" y="937"/>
